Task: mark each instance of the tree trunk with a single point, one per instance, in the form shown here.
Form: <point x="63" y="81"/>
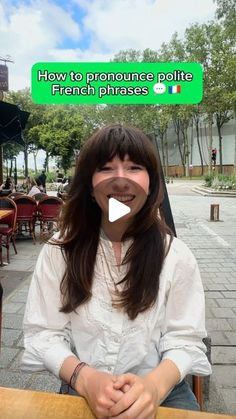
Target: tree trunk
<point x="198" y="144"/>
<point x="7" y="167"/>
<point x="191" y="145"/>
<point x="163" y="154"/>
<point x="210" y="122"/>
<point x="235" y="138"/>
<point x="26" y="160"/>
<point x="1" y="165"/>
<point x="219" y="125"/>
<point x="11" y="169"/>
<point x="177" y="131"/>
<point x="186" y="147"/>
<point x="35" y="162"/>
<point x="167" y="156"/>
<point x="46" y="162"/>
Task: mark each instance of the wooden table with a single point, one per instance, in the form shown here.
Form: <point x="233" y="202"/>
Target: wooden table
<point x="4" y="213"/>
<point x="25" y="404"/>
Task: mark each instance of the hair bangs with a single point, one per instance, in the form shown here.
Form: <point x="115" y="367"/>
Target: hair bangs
<point x="122" y="143"/>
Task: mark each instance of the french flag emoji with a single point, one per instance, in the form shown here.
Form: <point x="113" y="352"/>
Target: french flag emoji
<point x="174" y="89"/>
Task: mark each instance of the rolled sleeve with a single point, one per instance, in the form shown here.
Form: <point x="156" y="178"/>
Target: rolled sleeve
<point x="47" y="333"/>
<point x="181" y="359"/>
<point x="184" y="325"/>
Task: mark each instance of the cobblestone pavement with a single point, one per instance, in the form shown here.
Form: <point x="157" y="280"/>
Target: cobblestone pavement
<point x="214" y="245"/>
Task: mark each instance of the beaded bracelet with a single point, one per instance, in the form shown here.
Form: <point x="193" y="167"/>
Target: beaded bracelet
<point x="75" y="373"/>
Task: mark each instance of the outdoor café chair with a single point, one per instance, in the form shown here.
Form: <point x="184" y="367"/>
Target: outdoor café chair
<point x="39" y="196"/>
<point x="26" y="214"/>
<point x="48" y="213"/>
<point x="8" y="227"/>
<point x="13" y="195"/>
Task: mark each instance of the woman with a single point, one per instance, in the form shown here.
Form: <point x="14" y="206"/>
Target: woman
<point x="116" y="309"/>
<point x="8" y="185"/>
<point x="34" y="187"/>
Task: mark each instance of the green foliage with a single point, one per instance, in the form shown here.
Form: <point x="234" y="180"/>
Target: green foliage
<point x="220" y="182"/>
<point x="11" y="150"/>
<point x="226" y="13"/>
<point x="51" y="177"/>
<point x="209" y="179"/>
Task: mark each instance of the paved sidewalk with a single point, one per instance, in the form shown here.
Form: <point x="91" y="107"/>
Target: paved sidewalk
<point x="214" y="245"/>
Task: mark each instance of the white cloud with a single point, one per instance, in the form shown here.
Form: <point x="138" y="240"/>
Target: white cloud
<point x="79" y="55"/>
<point x="29" y="32"/>
<point x="141" y="24"/>
<point x="34" y="31"/>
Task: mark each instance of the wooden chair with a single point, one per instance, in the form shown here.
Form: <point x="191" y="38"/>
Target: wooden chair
<point x="8" y="229"/>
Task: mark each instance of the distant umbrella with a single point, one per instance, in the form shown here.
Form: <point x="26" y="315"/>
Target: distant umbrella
<point x="12" y="122"/>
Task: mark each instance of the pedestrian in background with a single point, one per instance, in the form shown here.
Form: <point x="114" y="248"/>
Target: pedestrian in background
<point x="42" y="178"/>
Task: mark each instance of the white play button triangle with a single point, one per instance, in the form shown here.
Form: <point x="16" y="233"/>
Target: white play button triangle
<point x="116" y="209"/>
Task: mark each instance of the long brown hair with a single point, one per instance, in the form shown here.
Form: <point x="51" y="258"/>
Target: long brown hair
<point x="81" y="219"/>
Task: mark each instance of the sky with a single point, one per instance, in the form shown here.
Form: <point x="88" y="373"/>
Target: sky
<point x="89" y="30"/>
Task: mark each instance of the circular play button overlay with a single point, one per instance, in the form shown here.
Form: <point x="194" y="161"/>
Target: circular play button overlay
<point x="116" y="209"/>
<point x="119" y="199"/>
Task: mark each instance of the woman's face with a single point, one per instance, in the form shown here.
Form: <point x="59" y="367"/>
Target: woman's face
<point x="125" y="181"/>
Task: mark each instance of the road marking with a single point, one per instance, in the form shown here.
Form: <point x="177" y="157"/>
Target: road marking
<point x="212" y="233"/>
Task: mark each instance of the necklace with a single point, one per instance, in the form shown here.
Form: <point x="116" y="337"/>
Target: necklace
<point x="114" y="289"/>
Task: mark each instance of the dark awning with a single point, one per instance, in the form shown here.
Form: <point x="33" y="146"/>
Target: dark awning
<point x="12" y="122"/>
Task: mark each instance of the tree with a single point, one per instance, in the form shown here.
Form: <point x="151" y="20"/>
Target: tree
<point x="221" y="81"/>
<point x="10" y="151"/>
<point x="196" y="123"/>
<point x="61" y="133"/>
<point x="226" y="13"/>
<point x="161" y="126"/>
<point x="173" y="50"/>
<point x="22" y="98"/>
<point x="209" y="45"/>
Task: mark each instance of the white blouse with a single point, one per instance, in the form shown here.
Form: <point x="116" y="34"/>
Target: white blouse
<point x="33" y="191"/>
<point x="105" y="337"/>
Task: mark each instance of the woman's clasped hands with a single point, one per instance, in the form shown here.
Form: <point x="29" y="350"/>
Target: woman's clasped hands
<point x="127" y="396"/>
<point x="139" y="400"/>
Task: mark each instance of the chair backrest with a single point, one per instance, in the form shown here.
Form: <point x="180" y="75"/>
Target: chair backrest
<point x="39" y="196"/>
<point x="13" y="195"/>
<point x="8" y="203"/>
<point x="26" y="207"/>
<point x="5" y="192"/>
<point x="49" y="208"/>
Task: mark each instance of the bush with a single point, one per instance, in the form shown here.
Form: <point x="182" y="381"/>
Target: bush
<point x="51" y="177"/>
<point x="209" y="179"/>
<point x="221" y="182"/>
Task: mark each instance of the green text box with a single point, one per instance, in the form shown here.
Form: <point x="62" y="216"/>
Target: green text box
<point x="117" y="83"/>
